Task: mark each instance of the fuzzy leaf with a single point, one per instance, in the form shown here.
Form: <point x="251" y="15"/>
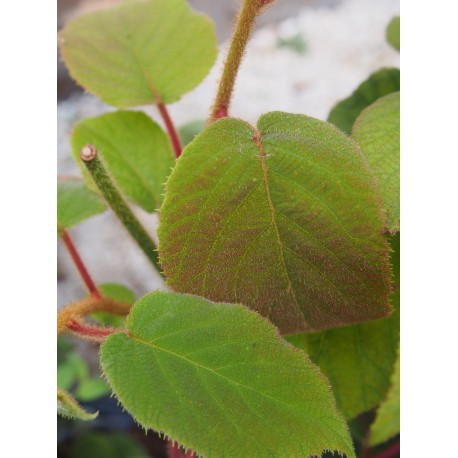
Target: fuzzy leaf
<point x="68" y="407"/>
<point x="393" y="33"/>
<point x="358" y="360"/>
<point x="288" y="223"/>
<point x="387" y="421"/>
<point x="75" y="203"/>
<point x="139" y="51"/>
<point x="135" y="150"/>
<point x="219" y="379"/>
<point x="377" y="131"/>
<point x="380" y="83"/>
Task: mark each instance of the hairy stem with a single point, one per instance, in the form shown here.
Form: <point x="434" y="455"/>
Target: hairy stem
<point x="79" y="309"/>
<point x="242" y="31"/>
<point x="94" y="333"/>
<point x="114" y="199"/>
<point x="174" y="138"/>
<point x="68" y="242"/>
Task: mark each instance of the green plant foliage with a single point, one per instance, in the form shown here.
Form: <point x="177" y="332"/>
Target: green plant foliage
<point x="73" y="373"/>
<point x="140" y="51"/>
<point x="68" y="407"/>
<point x="135" y="150"/>
<point x="380" y="83"/>
<point x="72" y="369"/>
<point x="285" y="220"/>
<point x="219" y="379"/>
<point x="75" y="203"/>
<point x="377" y="131"/>
<point x="393" y="33"/>
<point x="387" y="421"/>
<point x="119" y="293"/>
<point x="358" y="360"/>
<point x="188" y="131"/>
<point x="91" y="389"/>
<point x="107" y="445"/>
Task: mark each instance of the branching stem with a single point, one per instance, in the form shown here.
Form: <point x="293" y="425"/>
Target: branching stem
<point x="114" y="199"/>
<point x="242" y="31"/>
<point x="90" y="284"/>
<point x="79" y="309"/>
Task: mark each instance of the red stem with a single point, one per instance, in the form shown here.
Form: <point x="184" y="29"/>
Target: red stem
<point x="80" y="264"/>
<point x="390" y="452"/>
<point x="170" y="128"/>
<point x="91" y="332"/>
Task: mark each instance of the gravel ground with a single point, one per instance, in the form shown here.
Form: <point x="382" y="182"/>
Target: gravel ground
<point x="344" y="42"/>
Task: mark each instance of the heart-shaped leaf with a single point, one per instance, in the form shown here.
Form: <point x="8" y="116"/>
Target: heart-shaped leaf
<point x="380" y="83"/>
<point x="75" y="203"/>
<point x="377" y="131"/>
<point x="284" y="219"/>
<point x="135" y="150"/>
<point x="219" y="379"/>
<point x="358" y="360"/>
<point x="387" y="421"/>
<point x="140" y="51"/>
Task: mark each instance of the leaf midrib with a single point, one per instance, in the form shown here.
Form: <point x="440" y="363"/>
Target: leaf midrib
<point x="211" y="370"/>
<point x="262" y="159"/>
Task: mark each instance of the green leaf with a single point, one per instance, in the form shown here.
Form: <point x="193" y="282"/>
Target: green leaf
<point x="139" y="52"/>
<point x="393" y="33"/>
<point x="380" y="83"/>
<point x="119" y="293"/>
<point x="91" y="389"/>
<point x="219" y="379"/>
<point x="387" y="421"/>
<point x="96" y="444"/>
<point x="135" y="150"/>
<point x="71" y="370"/>
<point x="285" y="220"/>
<point x="68" y="407"/>
<point x="75" y="203"/>
<point x="377" y="131"/>
<point x="188" y="131"/>
<point x="358" y="360"/>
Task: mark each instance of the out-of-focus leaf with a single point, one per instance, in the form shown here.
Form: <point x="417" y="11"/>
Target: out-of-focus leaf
<point x="387" y="421"/>
<point x="136" y="151"/>
<point x="377" y="131"/>
<point x="380" y="83"/>
<point x="137" y="51"/>
<point x="393" y="33"/>
<point x="75" y="203"/>
<point x="91" y="389"/>
<point x="188" y="131"/>
<point x="96" y="444"/>
<point x="120" y="293"/>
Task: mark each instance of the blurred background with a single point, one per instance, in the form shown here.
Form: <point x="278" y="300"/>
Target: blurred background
<point x="304" y="56"/>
